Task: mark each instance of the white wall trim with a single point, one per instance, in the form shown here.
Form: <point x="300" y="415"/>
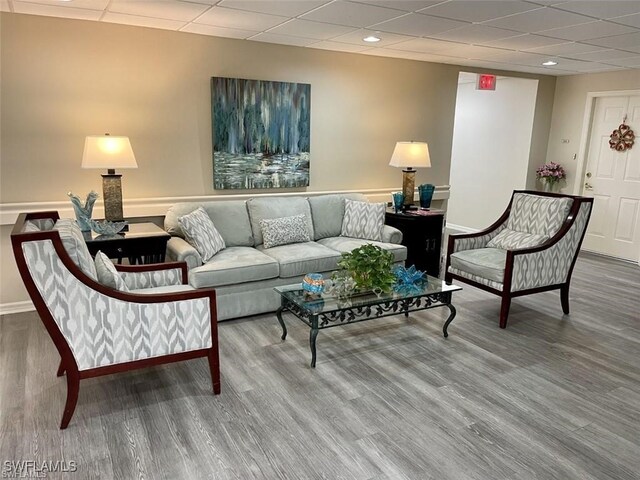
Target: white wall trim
<point x="586" y="132"/>
<point x="143" y="207"/>
<point x="16" y="307"/>
<point x="460" y="228"/>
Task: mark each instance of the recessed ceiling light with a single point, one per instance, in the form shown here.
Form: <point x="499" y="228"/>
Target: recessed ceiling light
<point x="371" y="39"/>
<point x="549" y="63"/>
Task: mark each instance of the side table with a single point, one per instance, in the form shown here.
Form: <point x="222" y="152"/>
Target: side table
<point x="141" y="243"/>
<point x="422" y="235"/>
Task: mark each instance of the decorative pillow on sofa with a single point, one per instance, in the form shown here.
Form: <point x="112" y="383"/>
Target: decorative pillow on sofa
<point x="511" y="239"/>
<point x="284" y="230"/>
<point x="107" y="273"/>
<point x="200" y="232"/>
<point x="363" y="220"/>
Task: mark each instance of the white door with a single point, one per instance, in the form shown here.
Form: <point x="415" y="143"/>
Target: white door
<point x="612" y="178"/>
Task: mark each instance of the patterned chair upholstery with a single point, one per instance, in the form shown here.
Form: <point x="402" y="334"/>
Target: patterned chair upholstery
<point x="98" y="330"/>
<point x="531" y="248"/>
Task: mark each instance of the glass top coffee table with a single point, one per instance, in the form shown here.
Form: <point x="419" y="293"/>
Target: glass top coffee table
<point x="325" y="311"/>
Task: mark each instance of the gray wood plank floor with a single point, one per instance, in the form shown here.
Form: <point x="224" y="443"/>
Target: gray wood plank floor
<point x="551" y="397"/>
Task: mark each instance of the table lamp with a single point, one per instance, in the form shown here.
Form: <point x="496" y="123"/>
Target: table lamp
<point x="110" y="152"/>
<point x="408" y="156"/>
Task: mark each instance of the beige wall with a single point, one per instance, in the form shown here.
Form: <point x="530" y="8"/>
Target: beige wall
<point x="64" y="79"/>
<point x="569" y="109"/>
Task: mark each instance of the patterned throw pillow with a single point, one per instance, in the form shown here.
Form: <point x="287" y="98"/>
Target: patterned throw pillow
<point x="200" y="232"/>
<point x="510" y="240"/>
<point x="76" y="247"/>
<point x="107" y="273"/>
<point x="284" y="230"/>
<point x="363" y="220"/>
<point x="538" y="214"/>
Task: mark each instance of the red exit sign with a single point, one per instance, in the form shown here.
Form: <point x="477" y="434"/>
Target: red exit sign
<point x="486" y="82"/>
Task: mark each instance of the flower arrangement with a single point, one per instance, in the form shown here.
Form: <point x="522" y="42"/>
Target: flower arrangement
<point x="550" y="173"/>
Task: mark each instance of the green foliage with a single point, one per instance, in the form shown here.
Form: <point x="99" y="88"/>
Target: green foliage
<point x="370" y="266"/>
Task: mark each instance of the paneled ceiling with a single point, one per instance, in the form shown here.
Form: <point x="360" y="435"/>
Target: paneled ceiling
<point x="579" y="36"/>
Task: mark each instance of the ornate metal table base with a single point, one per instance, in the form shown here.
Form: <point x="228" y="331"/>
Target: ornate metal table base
<point x="346" y="315"/>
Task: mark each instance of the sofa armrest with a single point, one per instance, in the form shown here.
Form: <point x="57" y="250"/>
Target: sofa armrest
<point x="178" y="249"/>
<point x="391" y="235"/>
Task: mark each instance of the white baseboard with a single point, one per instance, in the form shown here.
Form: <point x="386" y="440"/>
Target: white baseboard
<point x="16" y="307"/>
<point x="460" y="228"/>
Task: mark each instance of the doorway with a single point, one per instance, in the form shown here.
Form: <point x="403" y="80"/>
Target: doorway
<point x="612" y="178"/>
<point x="490" y="152"/>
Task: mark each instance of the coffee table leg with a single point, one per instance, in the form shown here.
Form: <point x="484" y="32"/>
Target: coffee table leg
<point x="312" y="340"/>
<point x="452" y="315"/>
<point x="284" y="328"/>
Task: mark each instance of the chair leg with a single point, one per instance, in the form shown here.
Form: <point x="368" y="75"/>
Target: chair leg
<point x="564" y="298"/>
<point x="214" y="367"/>
<point x="73" y="387"/>
<point x="60" y="370"/>
<point x="504" y="310"/>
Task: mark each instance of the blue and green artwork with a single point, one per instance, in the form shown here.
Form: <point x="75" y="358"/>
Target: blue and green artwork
<point x="261" y="133"/>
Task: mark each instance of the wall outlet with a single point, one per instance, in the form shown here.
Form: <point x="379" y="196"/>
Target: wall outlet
<point x="564" y="140"/>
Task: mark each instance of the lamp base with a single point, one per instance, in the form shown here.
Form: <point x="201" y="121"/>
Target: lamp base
<point x="112" y="196"/>
<point x="408" y="186"/>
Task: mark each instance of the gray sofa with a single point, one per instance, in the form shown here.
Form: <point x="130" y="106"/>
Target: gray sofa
<point x="245" y="272"/>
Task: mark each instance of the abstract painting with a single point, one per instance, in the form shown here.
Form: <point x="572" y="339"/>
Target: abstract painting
<point x="261" y="133"/>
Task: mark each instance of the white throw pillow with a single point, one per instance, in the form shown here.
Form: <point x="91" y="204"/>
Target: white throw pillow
<point x="511" y="240"/>
<point x="107" y="273"/>
<point x="201" y="233"/>
<point x="284" y="230"/>
<point x="363" y="220"/>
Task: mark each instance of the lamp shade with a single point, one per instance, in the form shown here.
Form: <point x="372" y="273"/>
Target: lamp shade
<point x="106" y="151"/>
<point x="411" y="154"/>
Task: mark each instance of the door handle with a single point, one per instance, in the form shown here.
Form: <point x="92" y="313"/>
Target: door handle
<point x="588" y="186"/>
<point x="588" y="174"/>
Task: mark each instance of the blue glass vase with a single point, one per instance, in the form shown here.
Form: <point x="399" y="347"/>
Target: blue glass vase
<point x="398" y="200"/>
<point x="426" y="194"/>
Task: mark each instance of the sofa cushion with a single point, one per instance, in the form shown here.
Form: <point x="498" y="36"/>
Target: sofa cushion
<point x="262" y="208"/>
<point x="363" y="220"/>
<point x="538" y="214"/>
<point x="234" y="265"/>
<point x="283" y="231"/>
<point x="76" y="248"/>
<point x="302" y="258"/>
<point x="164" y="289"/>
<point x="201" y="233"/>
<point x="483" y="262"/>
<point x="328" y="212"/>
<point x="509" y="239"/>
<point x="230" y="218"/>
<point x="347" y="244"/>
<point x="107" y="273"/>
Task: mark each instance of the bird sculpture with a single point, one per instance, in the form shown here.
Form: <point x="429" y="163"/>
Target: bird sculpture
<point x="83" y="212"/>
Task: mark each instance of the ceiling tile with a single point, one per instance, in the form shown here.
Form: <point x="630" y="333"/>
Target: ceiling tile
<point x="167" y="9"/>
<point x="88" y="4"/>
<point x="283" y="39"/>
<point x="351" y="14"/>
<point x="424" y="45"/>
<point x="404" y="5"/>
<point x="419" y="25"/>
<point x="56" y="11"/>
<point x="473" y="51"/>
<point x="309" y="29"/>
<point x="140" y="21"/>
<point x="602" y="9"/>
<point x="475" y="11"/>
<point x="631" y="62"/>
<point x="285" y="8"/>
<point x="588" y="31"/>
<point x="356" y="37"/>
<point x="538" y="20"/>
<point x="519" y="58"/>
<point x="592" y="67"/>
<point x="217" y="31"/>
<point x="602" y="55"/>
<point x="4" y="6"/>
<point x="475" y="34"/>
<point x="340" y="47"/>
<point x="631" y="20"/>
<point x="564" y="49"/>
<point x="231" y="18"/>
<point x="524" y="42"/>
<point x="630" y="41"/>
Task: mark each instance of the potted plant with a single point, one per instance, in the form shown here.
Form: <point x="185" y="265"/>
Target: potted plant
<point x="550" y="174"/>
<point x="371" y="268"/>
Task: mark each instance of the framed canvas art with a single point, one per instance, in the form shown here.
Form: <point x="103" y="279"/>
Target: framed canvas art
<point x="261" y="133"/>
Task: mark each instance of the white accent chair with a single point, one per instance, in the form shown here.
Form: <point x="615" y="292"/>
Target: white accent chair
<point x="531" y="248"/>
<point x="99" y="330"/>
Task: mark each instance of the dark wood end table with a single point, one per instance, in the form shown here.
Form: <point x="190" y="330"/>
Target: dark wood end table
<point x="141" y="243"/>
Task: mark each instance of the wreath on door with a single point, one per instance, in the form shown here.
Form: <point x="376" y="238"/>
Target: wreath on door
<point x="622" y="138"/>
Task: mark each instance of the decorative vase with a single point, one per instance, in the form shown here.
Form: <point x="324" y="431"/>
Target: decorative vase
<point x="83" y="212"/>
<point x="313" y="283"/>
<point x="426" y="194"/>
<point x="398" y="200"/>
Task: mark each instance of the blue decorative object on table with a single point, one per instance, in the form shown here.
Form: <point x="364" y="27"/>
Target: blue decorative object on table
<point x="426" y="194"/>
<point x="83" y="212"/>
<point x="408" y="279"/>
<point x="398" y="200"/>
<point x="313" y="283"/>
<point x="106" y="227"/>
